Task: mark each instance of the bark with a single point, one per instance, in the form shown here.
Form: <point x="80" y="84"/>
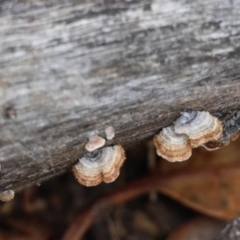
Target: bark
<point x="70" y="67"/>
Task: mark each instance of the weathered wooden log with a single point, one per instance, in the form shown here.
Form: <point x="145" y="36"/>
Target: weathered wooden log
<point x="70" y="67"/>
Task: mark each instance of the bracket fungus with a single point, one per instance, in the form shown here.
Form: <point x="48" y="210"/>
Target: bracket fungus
<point x="200" y="127"/>
<point x="190" y="130"/>
<point x="94" y="142"/>
<point x="172" y="146"/>
<point x="101" y="165"/>
<point x="7" y="195"/>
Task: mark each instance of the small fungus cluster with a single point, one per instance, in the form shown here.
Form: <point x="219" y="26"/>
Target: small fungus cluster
<point x="99" y="164"/>
<point x="190" y="130"/>
<point x="7" y="195"/>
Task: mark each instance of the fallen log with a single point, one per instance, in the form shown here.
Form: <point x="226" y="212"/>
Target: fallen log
<point x="70" y="67"/>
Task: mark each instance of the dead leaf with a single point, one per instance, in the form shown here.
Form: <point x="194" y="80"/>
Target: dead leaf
<point x="29" y="230"/>
<point x="214" y="191"/>
<point x="201" y="228"/>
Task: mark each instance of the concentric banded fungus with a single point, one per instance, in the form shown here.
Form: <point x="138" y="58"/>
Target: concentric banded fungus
<point x="200" y="127"/>
<point x="101" y="165"/>
<point x="109" y="133"/>
<point x="94" y="142"/>
<point x="171" y="146"/>
<point x="7" y="195"/>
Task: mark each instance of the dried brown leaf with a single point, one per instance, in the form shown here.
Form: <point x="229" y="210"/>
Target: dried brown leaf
<point x="214" y="191"/>
<point x="201" y="228"/>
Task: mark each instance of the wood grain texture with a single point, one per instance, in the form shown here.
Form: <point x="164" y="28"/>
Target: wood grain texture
<point x="69" y="67"/>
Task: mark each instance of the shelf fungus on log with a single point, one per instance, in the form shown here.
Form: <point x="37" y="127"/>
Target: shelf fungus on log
<point x="200" y="127"/>
<point x="94" y="142"/>
<point x="171" y="146"/>
<point x="100" y="165"/>
<point x="190" y="130"/>
<point x="7" y="195"/>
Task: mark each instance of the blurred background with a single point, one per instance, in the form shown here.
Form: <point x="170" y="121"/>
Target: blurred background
<point x="152" y="199"/>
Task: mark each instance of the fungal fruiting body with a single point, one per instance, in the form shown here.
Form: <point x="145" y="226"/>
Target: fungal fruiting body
<point x="200" y="127"/>
<point x="7" y="195"/>
<point x="94" y="142"/>
<point x="171" y="146"/>
<point x="101" y="165"/>
<point x="109" y="133"/>
<point x="191" y="129"/>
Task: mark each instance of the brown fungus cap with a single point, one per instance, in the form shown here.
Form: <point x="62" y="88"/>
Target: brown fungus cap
<point x="7" y="195"/>
<point x="171" y="146"/>
<point x="101" y="165"/>
<point x="200" y="127"/>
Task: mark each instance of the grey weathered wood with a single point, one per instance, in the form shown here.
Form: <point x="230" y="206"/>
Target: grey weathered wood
<point x="68" y="67"/>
